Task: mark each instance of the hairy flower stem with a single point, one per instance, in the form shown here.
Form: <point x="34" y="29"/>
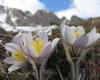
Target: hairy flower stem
<point x="38" y="71"/>
<point x="70" y="61"/>
<point x="77" y="68"/>
<point x="72" y="71"/>
<point x="35" y="68"/>
<point x="36" y="74"/>
<point x="42" y="68"/>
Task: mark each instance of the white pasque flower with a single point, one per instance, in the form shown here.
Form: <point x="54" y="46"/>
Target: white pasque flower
<point x="17" y="58"/>
<point x="76" y="36"/>
<point x="23" y="46"/>
<point x="38" y="48"/>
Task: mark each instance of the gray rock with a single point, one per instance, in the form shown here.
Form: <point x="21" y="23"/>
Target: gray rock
<point x="41" y="17"/>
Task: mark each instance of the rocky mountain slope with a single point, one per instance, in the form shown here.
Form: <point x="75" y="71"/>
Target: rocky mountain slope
<point x="91" y="22"/>
<point x="11" y="17"/>
<point x="16" y="17"/>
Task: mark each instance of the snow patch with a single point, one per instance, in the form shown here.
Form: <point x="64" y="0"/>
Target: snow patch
<point x="3" y="17"/>
<point x="6" y="27"/>
<point x="13" y="19"/>
<point x="47" y="29"/>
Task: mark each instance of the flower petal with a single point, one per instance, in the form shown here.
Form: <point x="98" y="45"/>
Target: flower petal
<point x="73" y="27"/>
<point x="31" y="51"/>
<point x="46" y="51"/>
<point x="16" y="39"/>
<point x="93" y="38"/>
<point x="81" y="29"/>
<point x="44" y="36"/>
<point x="62" y="29"/>
<point x="14" y="67"/>
<point x="69" y="35"/>
<point x="92" y="32"/>
<point x="26" y="44"/>
<point x="27" y="38"/>
<point x="9" y="60"/>
<point x="28" y="49"/>
<point x="12" y="47"/>
<point x="81" y="42"/>
<point x="44" y="55"/>
<point x="54" y="43"/>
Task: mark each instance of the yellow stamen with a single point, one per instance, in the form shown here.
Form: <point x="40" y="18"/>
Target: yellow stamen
<point x="77" y="34"/>
<point x="38" y="45"/>
<point x="19" y="56"/>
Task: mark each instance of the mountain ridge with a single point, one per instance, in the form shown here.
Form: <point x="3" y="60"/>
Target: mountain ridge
<point x="15" y="17"/>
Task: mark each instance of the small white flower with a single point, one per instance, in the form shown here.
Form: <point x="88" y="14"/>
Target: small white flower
<point x="76" y="36"/>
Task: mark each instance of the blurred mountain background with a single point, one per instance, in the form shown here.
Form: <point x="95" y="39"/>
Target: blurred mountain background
<point x="12" y="18"/>
<point x="15" y="17"/>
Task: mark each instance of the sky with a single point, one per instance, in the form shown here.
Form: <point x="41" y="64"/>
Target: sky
<point x="56" y="5"/>
<point x="67" y="8"/>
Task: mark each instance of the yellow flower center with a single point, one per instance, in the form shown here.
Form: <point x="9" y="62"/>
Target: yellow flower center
<point x="77" y="34"/>
<point x="38" y="45"/>
<point x="19" y="56"/>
